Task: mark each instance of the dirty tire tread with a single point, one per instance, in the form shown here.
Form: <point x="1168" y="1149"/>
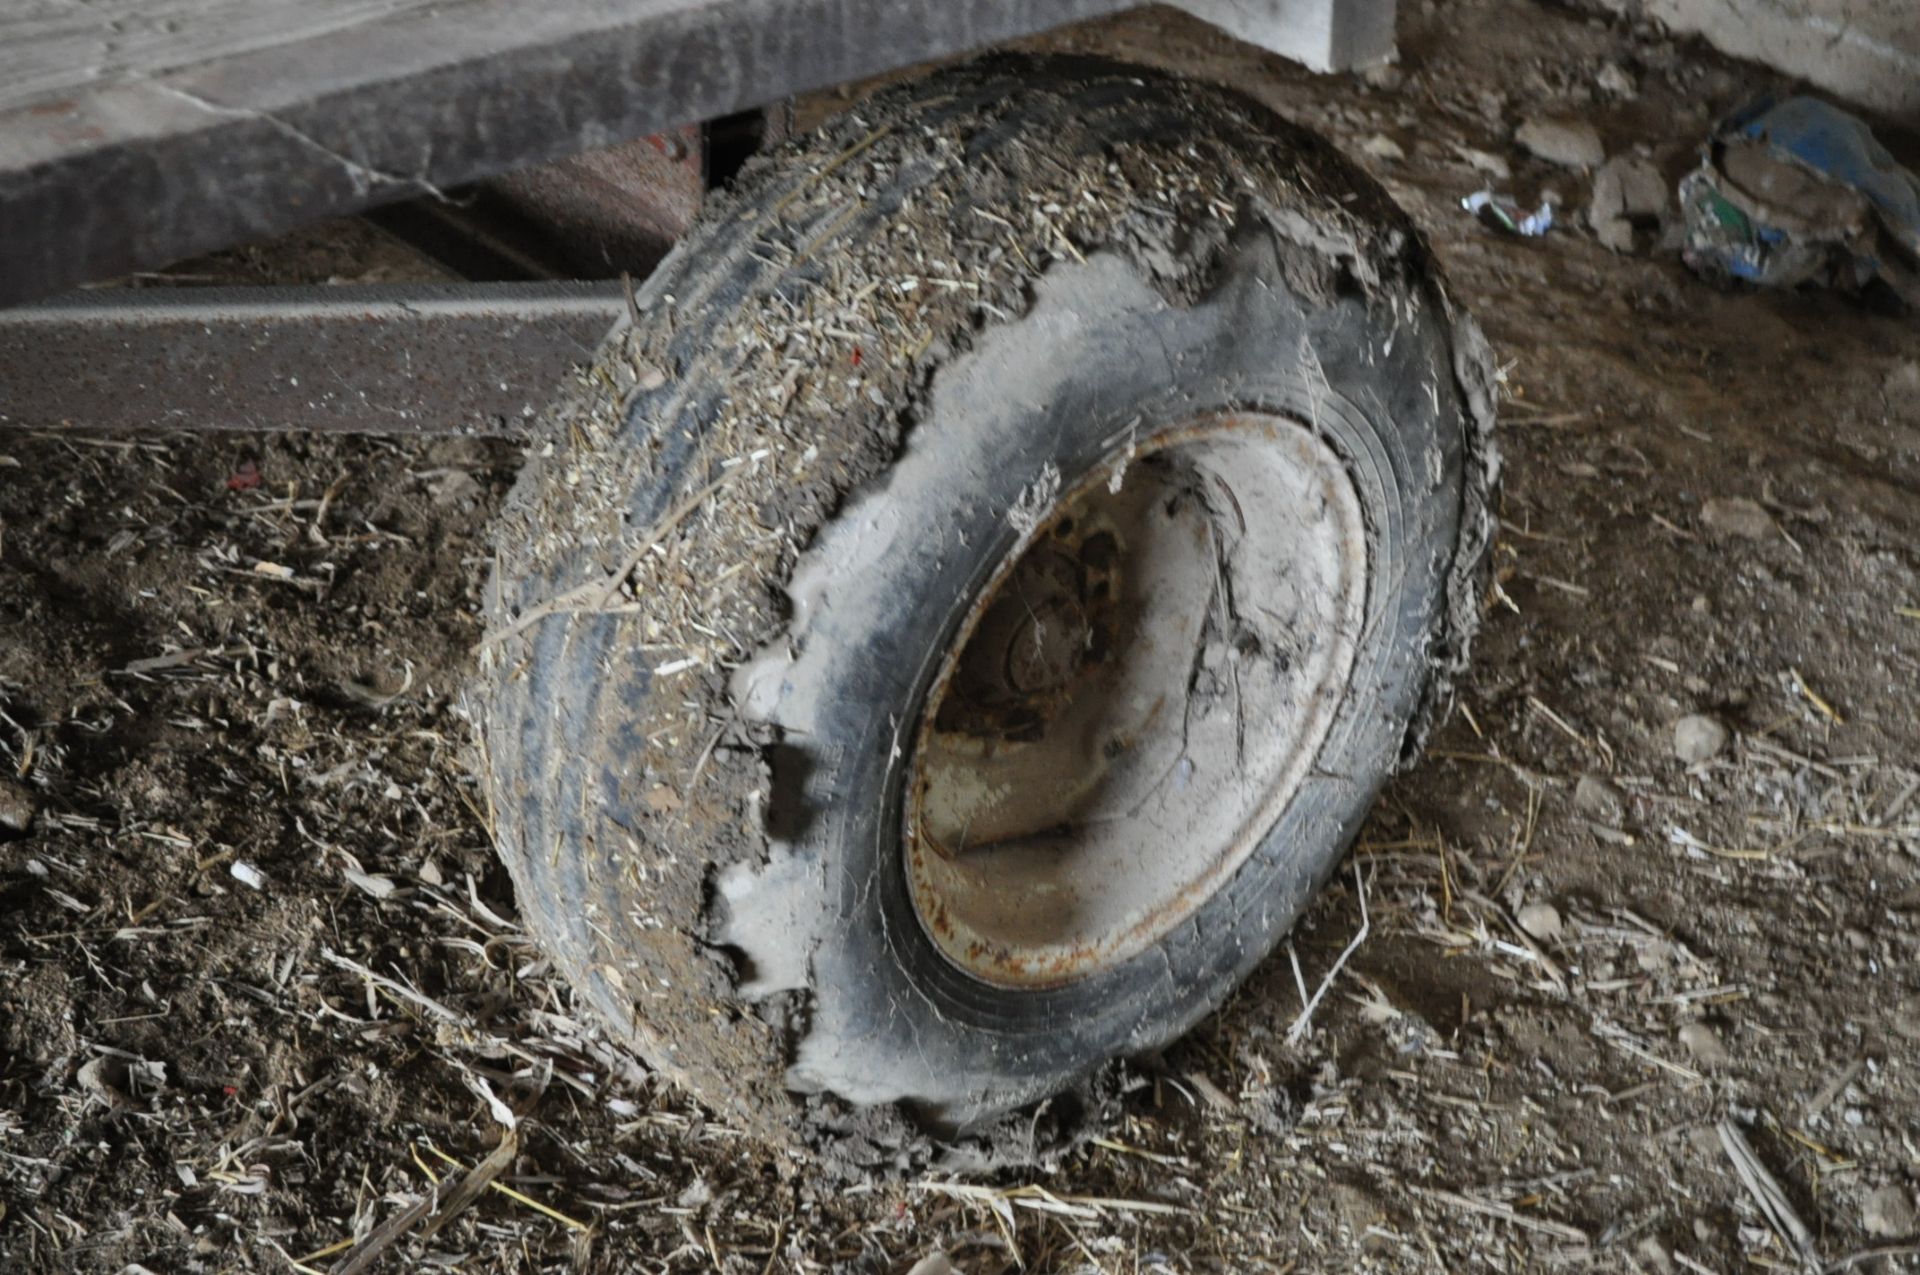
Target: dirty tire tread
<point x="619" y="794"/>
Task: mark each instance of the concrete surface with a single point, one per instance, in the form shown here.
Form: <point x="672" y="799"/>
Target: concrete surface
<point x="1865" y="51"/>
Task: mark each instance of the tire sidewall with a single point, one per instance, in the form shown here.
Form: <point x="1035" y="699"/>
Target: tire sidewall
<point x="1098" y="365"/>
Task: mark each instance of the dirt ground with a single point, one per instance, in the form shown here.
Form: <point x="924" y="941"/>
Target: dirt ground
<point x="261" y="983"/>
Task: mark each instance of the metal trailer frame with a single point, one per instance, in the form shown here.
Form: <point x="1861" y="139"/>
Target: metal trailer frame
<point x="134" y="133"/>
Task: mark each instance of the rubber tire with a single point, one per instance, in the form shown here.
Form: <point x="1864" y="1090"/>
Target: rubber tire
<point x="1312" y="298"/>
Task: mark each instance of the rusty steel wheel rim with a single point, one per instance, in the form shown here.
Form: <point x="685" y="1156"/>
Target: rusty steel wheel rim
<point x="1130" y="703"/>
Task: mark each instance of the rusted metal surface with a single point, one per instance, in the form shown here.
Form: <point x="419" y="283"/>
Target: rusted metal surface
<point x="1111" y="734"/>
<point x="617" y="208"/>
<point x="596" y="215"/>
<point x="426" y="358"/>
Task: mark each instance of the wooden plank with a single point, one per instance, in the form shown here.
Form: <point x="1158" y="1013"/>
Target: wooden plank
<point x="56" y="48"/>
<point x="144" y="138"/>
<point x="138" y="132"/>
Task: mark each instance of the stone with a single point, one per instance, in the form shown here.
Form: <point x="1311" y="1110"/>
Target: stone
<point x="1616" y="81"/>
<point x="17" y="807"/>
<point x="1902" y="388"/>
<point x="1906" y="1018"/>
<point x="1597" y="799"/>
<point x="1484" y="162"/>
<point x="1698" y="738"/>
<point x="1569" y="143"/>
<point x="1542" y="921"/>
<point x="1888" y="1214"/>
<point x="1627" y="191"/>
<point x="934" y="1264"/>
<point x="1380" y="146"/>
<point x="1704" y="1044"/>
<point x="1730" y="517"/>
<point x="1386" y="77"/>
<point x="455" y="486"/>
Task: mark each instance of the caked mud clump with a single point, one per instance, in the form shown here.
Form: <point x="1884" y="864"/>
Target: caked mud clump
<point x="774" y="364"/>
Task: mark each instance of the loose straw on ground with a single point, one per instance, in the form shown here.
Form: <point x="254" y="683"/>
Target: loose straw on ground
<point x="1309" y="1004"/>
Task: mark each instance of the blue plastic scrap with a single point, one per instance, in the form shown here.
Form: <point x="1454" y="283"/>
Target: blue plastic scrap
<point x="1801" y="192"/>
<point x="1841" y="147"/>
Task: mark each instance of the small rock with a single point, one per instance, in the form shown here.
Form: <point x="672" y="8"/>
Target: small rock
<point x="16" y="807"/>
<point x="1484" y="162"/>
<point x="1380" y="146"/>
<point x="1906" y="1018"/>
<point x="1656" y="957"/>
<point x="1643" y="190"/>
<point x="1386" y="77"/>
<point x="1736" y="516"/>
<point x="1704" y="1044"/>
<point x="1614" y="233"/>
<point x="1616" y="81"/>
<point x="1698" y="738"/>
<point x="1626" y="190"/>
<point x="455" y="485"/>
<point x="1705" y="1142"/>
<point x="934" y="1264"/>
<point x="1903" y="389"/>
<point x="1542" y="921"/>
<point x="1888" y="1213"/>
<point x="1570" y="143"/>
<point x="1598" y="799"/>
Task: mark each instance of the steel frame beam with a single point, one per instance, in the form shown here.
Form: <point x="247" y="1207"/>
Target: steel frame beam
<point x="470" y="358"/>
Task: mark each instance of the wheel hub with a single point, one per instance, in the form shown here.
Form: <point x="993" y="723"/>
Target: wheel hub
<point x="1130" y="702"/>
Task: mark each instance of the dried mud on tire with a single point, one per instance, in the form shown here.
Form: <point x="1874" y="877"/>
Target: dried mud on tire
<point x="780" y="355"/>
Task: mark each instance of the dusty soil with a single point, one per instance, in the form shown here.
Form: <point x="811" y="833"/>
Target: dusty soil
<point x="261" y="980"/>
